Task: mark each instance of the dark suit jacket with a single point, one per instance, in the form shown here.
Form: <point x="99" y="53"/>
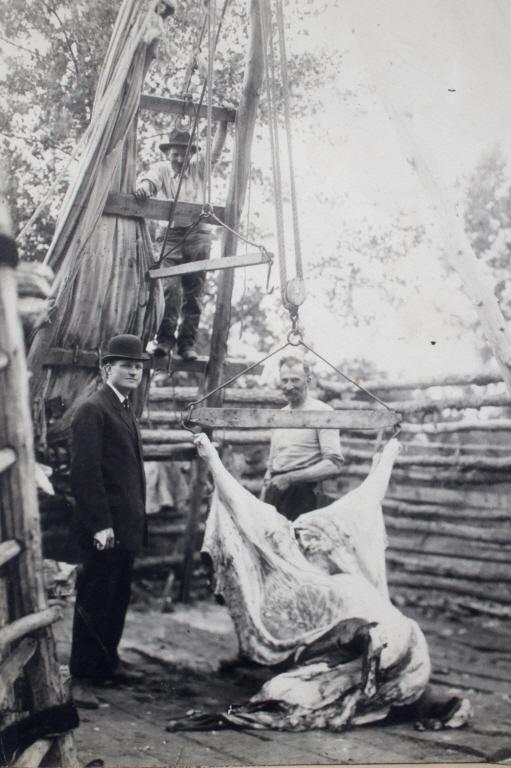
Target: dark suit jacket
<point x="107" y="472"/>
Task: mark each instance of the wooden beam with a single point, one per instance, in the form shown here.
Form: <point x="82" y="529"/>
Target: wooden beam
<point x="34" y="755"/>
<point x="26" y="625"/>
<point x="4" y="360"/>
<point x="172" y="452"/>
<point x="118" y="204"/>
<point x="380" y="385"/>
<point x="185" y="107"/>
<point x="87" y="358"/>
<point x="12" y="667"/>
<point x="209" y="265"/>
<point x="7" y="459"/>
<point x="266" y="418"/>
<point x="9" y="550"/>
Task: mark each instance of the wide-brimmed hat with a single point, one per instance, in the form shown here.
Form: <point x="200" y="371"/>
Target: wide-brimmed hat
<point x="125" y="347"/>
<point x="177" y="138"/>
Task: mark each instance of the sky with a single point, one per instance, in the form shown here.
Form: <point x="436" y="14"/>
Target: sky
<point x="435" y="72"/>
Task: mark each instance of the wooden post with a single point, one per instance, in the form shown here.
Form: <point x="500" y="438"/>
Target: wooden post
<point x="245" y="124"/>
<point x="19" y="510"/>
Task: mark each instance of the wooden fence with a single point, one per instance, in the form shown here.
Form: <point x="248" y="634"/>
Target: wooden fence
<point x="448" y="509"/>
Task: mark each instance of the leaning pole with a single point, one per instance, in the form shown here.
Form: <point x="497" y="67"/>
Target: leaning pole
<point x="244" y="132"/>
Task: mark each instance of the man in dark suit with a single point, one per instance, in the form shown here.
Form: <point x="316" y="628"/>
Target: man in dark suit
<point x="108" y="483"/>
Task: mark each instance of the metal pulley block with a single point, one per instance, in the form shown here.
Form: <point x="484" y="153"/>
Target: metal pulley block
<point x="295" y="291"/>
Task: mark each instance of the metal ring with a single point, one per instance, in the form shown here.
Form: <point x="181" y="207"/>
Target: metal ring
<point x="294" y="338"/>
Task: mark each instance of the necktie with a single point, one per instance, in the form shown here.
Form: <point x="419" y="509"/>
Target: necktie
<point x="126" y="404"/>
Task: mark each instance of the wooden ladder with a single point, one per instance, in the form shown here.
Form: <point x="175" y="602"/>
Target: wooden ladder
<point x="27" y="645"/>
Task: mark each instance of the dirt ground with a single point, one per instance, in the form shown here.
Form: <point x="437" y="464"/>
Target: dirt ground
<point x="179" y="654"/>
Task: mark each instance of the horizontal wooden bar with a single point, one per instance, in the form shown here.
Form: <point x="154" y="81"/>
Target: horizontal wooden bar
<point x="26" y="625"/>
<point x="9" y="550"/>
<point x="7" y="458"/>
<point x="4" y="360"/>
<point x="208" y="265"/>
<point x="12" y="667"/>
<point x="85" y="358"/>
<point x="185" y="107"/>
<point x="266" y="418"/>
<point x="174" y="452"/>
<point x="118" y="204"/>
<point x="34" y="755"/>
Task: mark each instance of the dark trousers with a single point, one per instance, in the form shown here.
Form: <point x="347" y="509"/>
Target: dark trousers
<point x="183" y="294"/>
<point x="102" y="595"/>
<point x="294" y="501"/>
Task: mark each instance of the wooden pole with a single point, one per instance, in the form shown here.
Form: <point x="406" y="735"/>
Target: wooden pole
<point x="245" y="125"/>
<point x="19" y="510"/>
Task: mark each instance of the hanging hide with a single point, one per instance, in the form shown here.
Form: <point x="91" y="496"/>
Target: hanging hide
<point x="101" y="260"/>
<point x="351" y="654"/>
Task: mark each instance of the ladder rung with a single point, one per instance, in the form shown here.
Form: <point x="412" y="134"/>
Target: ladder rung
<point x="118" y="204"/>
<point x="4" y="360"/>
<point x="267" y="418"/>
<point x="28" y="624"/>
<point x="200" y="365"/>
<point x="7" y="458"/>
<point x="9" y="550"/>
<point x="208" y="265"/>
<point x="180" y="107"/>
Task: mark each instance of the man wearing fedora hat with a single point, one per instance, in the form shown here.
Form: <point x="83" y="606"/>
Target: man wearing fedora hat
<point x="108" y="483"/>
<point x="184" y="243"/>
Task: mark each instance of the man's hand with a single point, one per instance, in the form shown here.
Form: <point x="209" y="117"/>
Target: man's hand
<point x="281" y="482"/>
<point x="142" y="192"/>
<point x="104" y="539"/>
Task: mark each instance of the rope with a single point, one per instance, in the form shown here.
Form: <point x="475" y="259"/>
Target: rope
<point x="287" y="117"/>
<point x="209" y="124"/>
<point x="189" y="146"/>
<point x="274" y="147"/>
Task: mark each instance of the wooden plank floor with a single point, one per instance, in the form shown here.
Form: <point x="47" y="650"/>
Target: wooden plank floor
<point x="179" y="653"/>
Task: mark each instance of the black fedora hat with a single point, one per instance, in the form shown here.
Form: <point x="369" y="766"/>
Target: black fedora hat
<point x="177" y="138"/>
<point x="125" y="347"/>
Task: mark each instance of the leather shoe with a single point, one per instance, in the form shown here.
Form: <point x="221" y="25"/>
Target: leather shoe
<point x="83" y="697"/>
<point x="162" y="349"/>
<point x="189" y="354"/>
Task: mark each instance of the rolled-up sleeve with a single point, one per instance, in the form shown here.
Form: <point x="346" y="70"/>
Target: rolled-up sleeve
<point x="330" y="444"/>
<point x="154" y="177"/>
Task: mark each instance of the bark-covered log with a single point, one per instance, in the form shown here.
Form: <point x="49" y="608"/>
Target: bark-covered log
<point x="12" y="667"/>
<point x="485" y="497"/>
<point x="495" y="591"/>
<point x="441" y="600"/>
<point x="478" y="571"/>
<point x="454" y="402"/>
<point x="493" y="535"/>
<point x="459" y="425"/>
<point x="436" y="512"/>
<point x="436" y="477"/>
<point x="416" y="542"/>
<point x="26" y="625"/>
<point x="9" y="550"/>
<point x="382" y="385"/>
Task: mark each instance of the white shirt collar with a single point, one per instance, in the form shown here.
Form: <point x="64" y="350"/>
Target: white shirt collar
<point x="121" y="397"/>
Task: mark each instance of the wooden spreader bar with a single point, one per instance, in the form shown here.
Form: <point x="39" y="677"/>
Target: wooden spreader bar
<point x="187" y="108"/>
<point x="267" y="418"/>
<point x="118" y="204"/>
<point x="209" y="265"/>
